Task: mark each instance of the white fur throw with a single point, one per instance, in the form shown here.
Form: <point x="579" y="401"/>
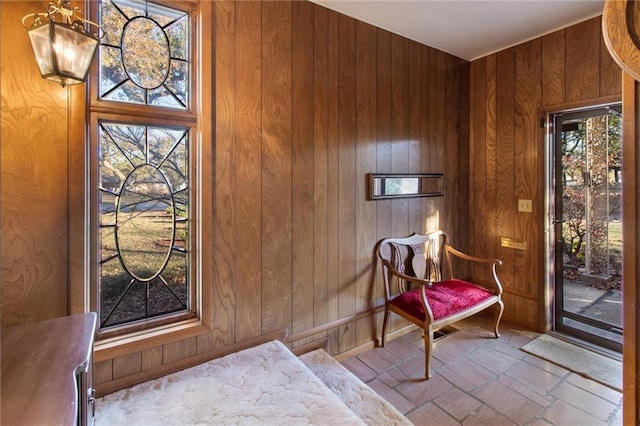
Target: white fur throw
<point x="266" y="384"/>
<point x="360" y="398"/>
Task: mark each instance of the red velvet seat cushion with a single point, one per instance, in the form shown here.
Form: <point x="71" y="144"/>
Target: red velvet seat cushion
<point x="446" y="298"/>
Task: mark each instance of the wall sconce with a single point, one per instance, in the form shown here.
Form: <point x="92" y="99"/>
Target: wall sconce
<point x="64" y="50"/>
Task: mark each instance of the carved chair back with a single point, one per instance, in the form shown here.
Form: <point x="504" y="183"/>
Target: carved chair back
<point x="420" y="256"/>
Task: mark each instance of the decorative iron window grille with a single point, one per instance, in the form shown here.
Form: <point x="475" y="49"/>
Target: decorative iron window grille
<point x="143" y="166"/>
<point x="144" y="222"/>
<point x="144" y="55"/>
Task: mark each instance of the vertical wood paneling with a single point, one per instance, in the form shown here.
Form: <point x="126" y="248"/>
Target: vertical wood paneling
<point x="399" y="127"/>
<point x="247" y="169"/>
<point x="347" y="176"/>
<point x="553" y="68"/>
<point x="561" y="67"/>
<point x="103" y="372"/>
<point x="152" y="358"/>
<point x="365" y="138"/>
<point x="451" y="133"/>
<point x="276" y="164"/>
<point x="177" y="350"/>
<point x="583" y="53"/>
<point x="33" y="170"/>
<point x="428" y="206"/>
<point x="307" y="102"/>
<point x="383" y="125"/>
<point x="439" y="148"/>
<point x="127" y="364"/>
<point x="610" y="73"/>
<point x="383" y="138"/>
<point x="478" y="176"/>
<point x="506" y="205"/>
<point x="414" y="128"/>
<point x="302" y="164"/>
<point x="256" y="116"/>
<point x="320" y="167"/>
<point x="459" y="117"/>
<point x="490" y="238"/>
<point x="333" y="187"/>
<point x="223" y="305"/>
<point x="528" y="161"/>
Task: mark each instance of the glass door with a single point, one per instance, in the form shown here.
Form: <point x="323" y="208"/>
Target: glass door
<point x="587" y="225"/>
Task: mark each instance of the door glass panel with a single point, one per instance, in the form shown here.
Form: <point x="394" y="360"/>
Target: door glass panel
<point x="588" y="225"/>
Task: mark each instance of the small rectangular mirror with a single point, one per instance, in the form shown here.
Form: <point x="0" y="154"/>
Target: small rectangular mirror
<point x="405" y="185"/>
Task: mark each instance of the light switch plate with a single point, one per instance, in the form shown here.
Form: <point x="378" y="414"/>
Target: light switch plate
<point x="525" y="206"/>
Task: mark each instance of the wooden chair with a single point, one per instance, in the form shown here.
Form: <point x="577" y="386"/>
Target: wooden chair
<point x="419" y="285"/>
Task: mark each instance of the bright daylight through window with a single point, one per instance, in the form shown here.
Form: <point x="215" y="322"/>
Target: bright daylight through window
<point x="143" y="179"/>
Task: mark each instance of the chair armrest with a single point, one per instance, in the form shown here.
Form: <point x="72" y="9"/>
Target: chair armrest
<point x="491" y="262"/>
<point x="465" y="256"/>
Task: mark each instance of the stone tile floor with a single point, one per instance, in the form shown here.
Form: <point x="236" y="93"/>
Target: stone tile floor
<point x="479" y="380"/>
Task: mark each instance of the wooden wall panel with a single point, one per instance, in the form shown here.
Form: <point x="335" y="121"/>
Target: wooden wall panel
<point x="248" y="160"/>
<point x="443" y="147"/>
<point x="127" y="364"/>
<point x="477" y="169"/>
<point x="365" y="139"/>
<point x="492" y="172"/>
<point x="567" y="67"/>
<point x="346" y="177"/>
<point x="414" y="117"/>
<point x="457" y="152"/>
<point x="553" y="68"/>
<point x="34" y="153"/>
<point x="397" y="133"/>
<point x="583" y="53"/>
<point x="320" y="167"/>
<point x="428" y="208"/>
<point x="529" y="157"/>
<point x="175" y="351"/>
<point x="506" y="204"/>
<point x="307" y="102"/>
<point x="276" y="164"/>
<point x="610" y="79"/>
<point x="224" y="271"/>
<point x="333" y="166"/>
<point x="383" y="125"/>
<point x="399" y="127"/>
<point x="152" y="358"/>
<point x="383" y="140"/>
<point x="291" y="137"/>
<point x="439" y="148"/>
<point x="302" y="165"/>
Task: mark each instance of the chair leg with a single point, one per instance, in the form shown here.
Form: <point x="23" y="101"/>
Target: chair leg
<point x="499" y="310"/>
<point x="385" y="322"/>
<point x="428" y="345"/>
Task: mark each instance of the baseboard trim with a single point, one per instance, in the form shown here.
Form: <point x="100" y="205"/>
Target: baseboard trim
<point x="375" y="343"/>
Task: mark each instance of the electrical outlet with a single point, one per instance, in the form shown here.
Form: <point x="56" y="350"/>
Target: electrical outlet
<point x="525" y="206"/>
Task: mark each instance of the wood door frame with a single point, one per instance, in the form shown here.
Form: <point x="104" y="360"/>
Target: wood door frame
<point x="631" y="212"/>
<point x="546" y="309"/>
<point x="555" y="281"/>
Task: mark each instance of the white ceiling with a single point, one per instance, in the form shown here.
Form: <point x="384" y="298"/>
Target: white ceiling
<point x="469" y="29"/>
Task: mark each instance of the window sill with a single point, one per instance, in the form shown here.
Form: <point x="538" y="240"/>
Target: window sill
<point x="134" y="342"/>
